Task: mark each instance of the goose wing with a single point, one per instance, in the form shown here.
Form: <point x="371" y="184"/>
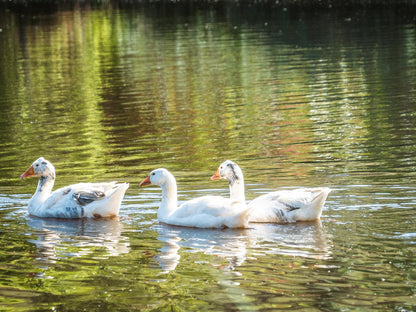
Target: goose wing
<point x="289" y="205"/>
<point x="71" y="201"/>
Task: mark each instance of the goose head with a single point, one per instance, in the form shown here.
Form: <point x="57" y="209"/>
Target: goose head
<point x="159" y="177"/>
<point x="40" y="168"/>
<point x="228" y="170"/>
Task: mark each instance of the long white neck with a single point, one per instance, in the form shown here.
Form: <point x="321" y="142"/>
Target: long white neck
<point x="43" y="191"/>
<point x="237" y="189"/>
<point x="169" y="198"/>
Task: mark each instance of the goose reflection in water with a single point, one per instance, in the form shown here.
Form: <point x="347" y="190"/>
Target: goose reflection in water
<point x="60" y="238"/>
<point x="303" y="239"/>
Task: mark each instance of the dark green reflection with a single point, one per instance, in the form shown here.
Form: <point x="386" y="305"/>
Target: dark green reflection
<point x="134" y="90"/>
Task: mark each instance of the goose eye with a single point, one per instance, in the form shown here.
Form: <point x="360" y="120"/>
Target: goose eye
<point x="153" y="174"/>
<point x="37" y="165"/>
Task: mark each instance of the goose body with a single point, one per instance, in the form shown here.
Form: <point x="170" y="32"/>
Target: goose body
<point x="304" y="204"/>
<point x="83" y="200"/>
<point x="201" y="212"/>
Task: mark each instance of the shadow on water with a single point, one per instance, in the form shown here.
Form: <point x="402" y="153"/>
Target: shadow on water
<point x="235" y="246"/>
<point x="59" y="238"/>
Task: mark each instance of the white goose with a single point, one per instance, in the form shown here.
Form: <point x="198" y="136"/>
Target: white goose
<point x="73" y="201"/>
<point x="304" y="204"/>
<point x="201" y="212"/>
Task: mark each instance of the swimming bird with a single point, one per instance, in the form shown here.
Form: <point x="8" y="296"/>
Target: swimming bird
<point x="74" y="201"/>
<point x="201" y="212"/>
<point x="303" y="204"/>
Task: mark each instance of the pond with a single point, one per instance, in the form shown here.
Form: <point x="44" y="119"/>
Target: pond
<point x="298" y="98"/>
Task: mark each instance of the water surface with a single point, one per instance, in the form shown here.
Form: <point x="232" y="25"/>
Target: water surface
<point x="297" y="98"/>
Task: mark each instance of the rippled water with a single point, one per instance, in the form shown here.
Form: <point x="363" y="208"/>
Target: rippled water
<point x="297" y="98"/>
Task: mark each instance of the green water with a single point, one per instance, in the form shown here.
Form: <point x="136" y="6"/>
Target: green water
<point x="297" y="98"/>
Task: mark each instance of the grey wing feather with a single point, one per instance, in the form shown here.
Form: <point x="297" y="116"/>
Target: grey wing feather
<point x="84" y="197"/>
<point x="290" y="207"/>
<point x="276" y="198"/>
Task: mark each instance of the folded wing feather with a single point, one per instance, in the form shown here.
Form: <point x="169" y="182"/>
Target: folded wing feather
<point x="85" y="197"/>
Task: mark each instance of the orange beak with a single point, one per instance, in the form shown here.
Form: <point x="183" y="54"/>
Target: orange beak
<point x="28" y="173"/>
<point x="216" y="175"/>
<point x="145" y="181"/>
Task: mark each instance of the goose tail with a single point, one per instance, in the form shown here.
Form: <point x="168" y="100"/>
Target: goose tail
<point x="316" y="205"/>
<point x="319" y="200"/>
<point x="112" y="204"/>
<point x="240" y="219"/>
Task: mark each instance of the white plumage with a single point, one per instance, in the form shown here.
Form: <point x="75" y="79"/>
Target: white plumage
<point x="201" y="212"/>
<point x="304" y="204"/>
<point x="83" y="200"/>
